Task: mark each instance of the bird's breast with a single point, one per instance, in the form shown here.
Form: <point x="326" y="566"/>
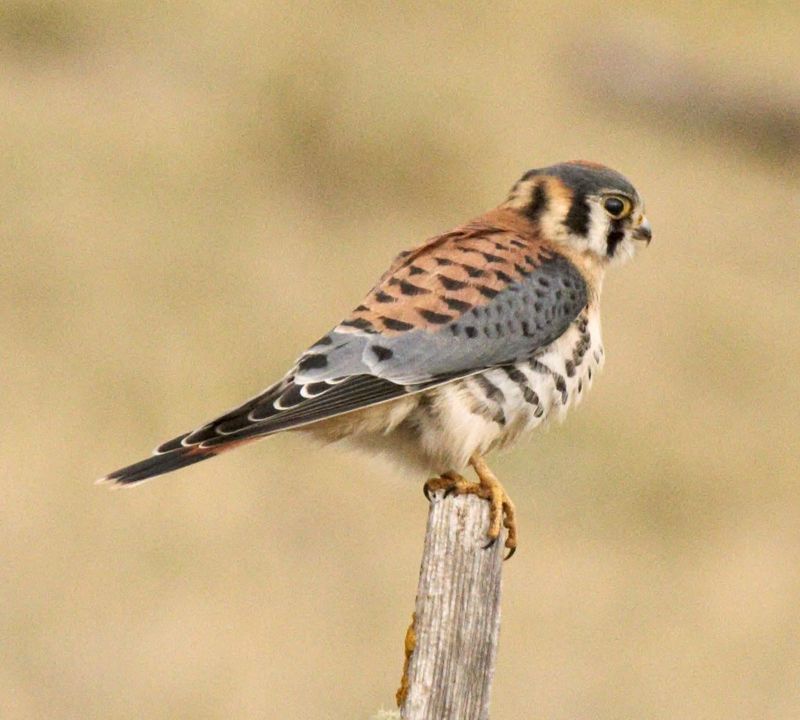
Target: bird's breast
<point x="493" y="408"/>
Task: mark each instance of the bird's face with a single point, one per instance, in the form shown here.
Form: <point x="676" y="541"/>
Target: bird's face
<point x="586" y="206"/>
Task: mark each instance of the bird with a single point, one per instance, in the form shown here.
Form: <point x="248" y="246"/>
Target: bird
<point x="466" y="343"/>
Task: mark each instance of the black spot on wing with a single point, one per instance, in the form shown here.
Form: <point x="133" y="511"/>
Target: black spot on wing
<point x="398" y="325"/>
<point x="313" y="389"/>
<point x="290" y="397"/>
<point x="314" y="361"/>
<point x="381" y="352"/>
<point x="434" y="317"/>
<point x="347" y="394"/>
<point x="472" y="271"/>
<point x="407" y="288"/>
<point x="358" y="323"/>
<point x="451" y="284"/>
<point x="383" y="297"/>
<point x="457" y="305"/>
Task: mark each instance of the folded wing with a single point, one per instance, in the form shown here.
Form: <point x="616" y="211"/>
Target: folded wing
<point x="477" y="298"/>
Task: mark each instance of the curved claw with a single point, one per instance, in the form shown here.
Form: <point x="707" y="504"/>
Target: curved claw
<point x="511" y="550"/>
<point x="489" y="488"/>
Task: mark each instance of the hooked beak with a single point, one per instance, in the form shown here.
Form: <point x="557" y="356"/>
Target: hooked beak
<point x="644" y="232"/>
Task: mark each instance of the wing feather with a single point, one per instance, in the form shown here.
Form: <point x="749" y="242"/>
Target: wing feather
<point x="483" y="296"/>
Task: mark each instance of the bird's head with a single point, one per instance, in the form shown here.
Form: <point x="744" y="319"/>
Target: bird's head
<point x="584" y="205"/>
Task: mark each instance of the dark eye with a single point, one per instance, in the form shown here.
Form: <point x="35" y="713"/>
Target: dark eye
<point x="617" y="206"/>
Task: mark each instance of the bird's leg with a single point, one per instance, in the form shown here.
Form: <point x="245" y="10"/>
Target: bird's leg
<point x="502" y="512"/>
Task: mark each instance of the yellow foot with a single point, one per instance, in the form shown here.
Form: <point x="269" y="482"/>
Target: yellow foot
<point x="502" y="512"/>
<point x="410" y="644"/>
<point x="451" y="483"/>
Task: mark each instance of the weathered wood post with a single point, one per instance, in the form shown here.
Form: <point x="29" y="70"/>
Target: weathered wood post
<point x="452" y="643"/>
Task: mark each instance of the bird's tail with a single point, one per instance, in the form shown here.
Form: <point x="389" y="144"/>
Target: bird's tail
<point x="283" y="406"/>
<point x="166" y="461"/>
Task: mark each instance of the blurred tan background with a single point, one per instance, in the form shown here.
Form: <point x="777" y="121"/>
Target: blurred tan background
<point x="190" y="193"/>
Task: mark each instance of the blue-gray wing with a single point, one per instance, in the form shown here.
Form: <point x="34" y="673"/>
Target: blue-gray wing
<point x="428" y="322"/>
<point x="351" y="367"/>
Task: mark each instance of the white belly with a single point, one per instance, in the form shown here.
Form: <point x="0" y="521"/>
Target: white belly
<point x="492" y="409"/>
<point x="438" y="430"/>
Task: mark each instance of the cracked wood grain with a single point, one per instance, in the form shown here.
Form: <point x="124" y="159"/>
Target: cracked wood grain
<point x="457" y="614"/>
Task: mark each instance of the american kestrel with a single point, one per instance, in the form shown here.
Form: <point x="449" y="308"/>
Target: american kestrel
<point x="467" y="341"/>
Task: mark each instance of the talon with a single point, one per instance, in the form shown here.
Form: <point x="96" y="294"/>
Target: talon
<point x="502" y="512"/>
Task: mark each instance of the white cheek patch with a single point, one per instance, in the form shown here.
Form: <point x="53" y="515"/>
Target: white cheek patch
<point x="625" y="251"/>
<point x="552" y="221"/>
<point x="599" y="227"/>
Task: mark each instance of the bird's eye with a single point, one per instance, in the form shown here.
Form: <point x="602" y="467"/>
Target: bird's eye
<point x="617" y="206"/>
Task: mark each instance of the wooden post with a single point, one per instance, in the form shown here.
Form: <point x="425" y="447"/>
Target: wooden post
<point x="452" y="643"/>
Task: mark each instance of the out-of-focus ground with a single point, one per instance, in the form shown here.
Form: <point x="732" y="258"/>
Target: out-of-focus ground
<point x="190" y="193"/>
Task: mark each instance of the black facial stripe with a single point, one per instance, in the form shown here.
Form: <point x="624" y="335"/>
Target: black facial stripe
<point x="538" y="203"/>
<point x="577" y="218"/>
<point x="615" y="236"/>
